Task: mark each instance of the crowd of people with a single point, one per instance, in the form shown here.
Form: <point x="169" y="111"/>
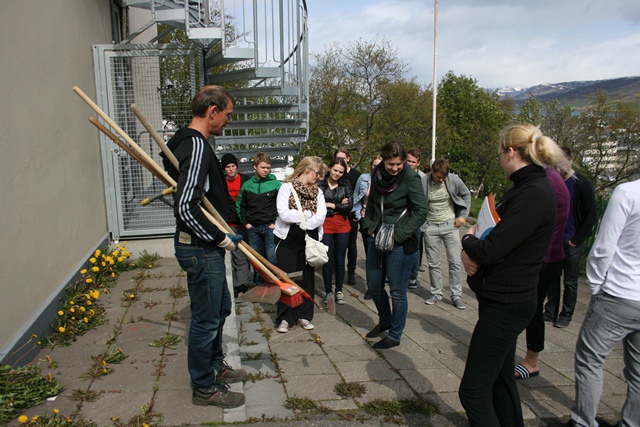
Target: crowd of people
<point x="400" y="212"/>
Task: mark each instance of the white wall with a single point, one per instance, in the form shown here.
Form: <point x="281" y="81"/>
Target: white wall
<point x="52" y="192"/>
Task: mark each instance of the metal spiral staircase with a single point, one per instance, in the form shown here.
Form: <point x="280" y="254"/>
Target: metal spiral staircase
<point x="258" y="50"/>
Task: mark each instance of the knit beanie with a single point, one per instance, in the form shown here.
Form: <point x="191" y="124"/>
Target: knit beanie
<point x="227" y="159"/>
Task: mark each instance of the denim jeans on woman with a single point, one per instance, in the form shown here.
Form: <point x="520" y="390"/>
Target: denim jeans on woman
<point x="396" y="266"/>
<point x="337" y="244"/>
<point x="210" y="306"/>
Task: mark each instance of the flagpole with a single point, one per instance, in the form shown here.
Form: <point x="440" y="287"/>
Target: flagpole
<point x="435" y="80"/>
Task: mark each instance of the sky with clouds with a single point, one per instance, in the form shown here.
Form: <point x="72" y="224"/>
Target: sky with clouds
<point x="517" y="43"/>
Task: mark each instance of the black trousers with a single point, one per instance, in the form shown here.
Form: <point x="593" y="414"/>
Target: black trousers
<point x="488" y="390"/>
<point x="290" y="257"/>
<point x="549" y="275"/>
<point x="352" y="247"/>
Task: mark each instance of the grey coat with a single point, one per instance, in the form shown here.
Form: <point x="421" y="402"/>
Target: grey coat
<point x="458" y="192"/>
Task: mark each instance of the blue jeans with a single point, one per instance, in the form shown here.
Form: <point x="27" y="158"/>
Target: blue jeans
<point x="608" y="321"/>
<point x="210" y="306"/>
<point x="396" y="266"/>
<point x="262" y="240"/>
<point x="337" y="244"/>
<point x="447" y="234"/>
<point x="571" y="269"/>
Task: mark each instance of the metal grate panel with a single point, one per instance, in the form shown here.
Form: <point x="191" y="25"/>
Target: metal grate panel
<point x="161" y="81"/>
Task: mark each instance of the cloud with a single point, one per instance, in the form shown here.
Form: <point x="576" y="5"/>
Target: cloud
<point x="497" y="42"/>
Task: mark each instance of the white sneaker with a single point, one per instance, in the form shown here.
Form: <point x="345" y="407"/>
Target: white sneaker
<point x="305" y="324"/>
<point x="284" y="327"/>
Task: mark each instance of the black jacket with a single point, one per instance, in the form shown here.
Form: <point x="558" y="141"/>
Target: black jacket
<point x="343" y="190"/>
<point x="512" y="254"/>
<point x="200" y="173"/>
<point x="584" y="208"/>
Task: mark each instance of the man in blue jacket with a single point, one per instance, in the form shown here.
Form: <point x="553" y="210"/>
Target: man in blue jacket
<point x="582" y="218"/>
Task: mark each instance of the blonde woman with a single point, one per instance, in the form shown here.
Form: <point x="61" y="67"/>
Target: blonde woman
<point x="289" y="236"/>
<point x="504" y="270"/>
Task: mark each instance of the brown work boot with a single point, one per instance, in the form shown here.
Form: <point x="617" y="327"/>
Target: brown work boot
<point x="218" y="395"/>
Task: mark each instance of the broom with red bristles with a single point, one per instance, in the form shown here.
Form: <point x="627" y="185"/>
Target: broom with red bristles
<point x="292" y="294"/>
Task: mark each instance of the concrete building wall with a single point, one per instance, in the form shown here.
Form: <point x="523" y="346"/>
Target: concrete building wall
<point x="51" y="191"/>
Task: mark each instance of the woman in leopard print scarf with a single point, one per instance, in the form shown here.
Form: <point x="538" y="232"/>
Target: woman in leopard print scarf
<point x="290" y="237"/>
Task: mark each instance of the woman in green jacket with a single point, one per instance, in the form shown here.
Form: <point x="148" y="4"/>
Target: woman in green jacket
<point x="396" y="197"/>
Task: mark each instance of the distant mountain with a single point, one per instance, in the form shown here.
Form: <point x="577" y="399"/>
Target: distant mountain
<point x="577" y="93"/>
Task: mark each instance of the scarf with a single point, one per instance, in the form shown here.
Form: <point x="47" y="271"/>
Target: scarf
<point x="308" y="196"/>
<point x="384" y="183"/>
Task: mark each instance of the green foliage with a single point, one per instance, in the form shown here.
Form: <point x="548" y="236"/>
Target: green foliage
<point x="472" y="120"/>
<point x="22" y="388"/>
<point x="381" y="408"/>
<point x="349" y="390"/>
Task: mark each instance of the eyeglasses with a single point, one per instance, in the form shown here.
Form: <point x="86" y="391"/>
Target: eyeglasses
<point x="501" y="153"/>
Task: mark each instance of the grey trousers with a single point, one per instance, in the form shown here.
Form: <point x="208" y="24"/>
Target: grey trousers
<point x="608" y="320"/>
<point x="435" y="236"/>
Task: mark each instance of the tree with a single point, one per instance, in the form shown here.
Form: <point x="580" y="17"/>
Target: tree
<point x="359" y="100"/>
<point x="473" y="120"/>
<point x="607" y="142"/>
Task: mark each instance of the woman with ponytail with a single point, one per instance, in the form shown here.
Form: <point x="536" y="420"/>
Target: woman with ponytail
<point x="503" y="271"/>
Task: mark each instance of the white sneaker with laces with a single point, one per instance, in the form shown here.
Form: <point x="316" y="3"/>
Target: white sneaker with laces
<point x="284" y="327"/>
<point x="305" y="324"/>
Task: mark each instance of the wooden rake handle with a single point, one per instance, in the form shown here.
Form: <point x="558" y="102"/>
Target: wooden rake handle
<point x="145" y="160"/>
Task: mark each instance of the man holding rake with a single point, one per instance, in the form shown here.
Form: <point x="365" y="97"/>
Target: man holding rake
<point x="200" y="246"/>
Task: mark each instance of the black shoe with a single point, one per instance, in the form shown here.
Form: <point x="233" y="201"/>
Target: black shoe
<point x="227" y="374"/>
<point x="240" y="290"/>
<point x="217" y="395"/>
<point x="562" y="322"/>
<point x="376" y="331"/>
<point x="548" y="318"/>
<point x="386" y="343"/>
<point x="351" y="280"/>
<point x="367" y="295"/>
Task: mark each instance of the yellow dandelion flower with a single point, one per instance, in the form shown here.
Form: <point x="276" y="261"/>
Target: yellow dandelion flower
<point x="120" y="259"/>
<point x="133" y="264"/>
<point x="82" y="309"/>
<point x="88" y="302"/>
<point x="104" y="370"/>
<point x="23" y="419"/>
<point x="60" y="313"/>
<point x="145" y="425"/>
<point x="91" y="312"/>
<point x="98" y="252"/>
<point x="39" y="342"/>
<point x="73" y="318"/>
<point x="132" y="296"/>
<point x="56" y="411"/>
<point x="125" y="243"/>
<point x="115" y="253"/>
<point x="113" y="274"/>
<point x="34" y="418"/>
<point x="83" y="271"/>
<point x="71" y="302"/>
<point x="150" y="266"/>
<point x="93" y="260"/>
<point x="111" y="262"/>
<point x="89" y="280"/>
<point x="95" y="294"/>
<point x="95" y="269"/>
<point x="104" y="264"/>
<point x="86" y="320"/>
<point x="34" y="336"/>
<point x="69" y="420"/>
<point x="104" y="362"/>
<point x="73" y="310"/>
<point x="61" y="329"/>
